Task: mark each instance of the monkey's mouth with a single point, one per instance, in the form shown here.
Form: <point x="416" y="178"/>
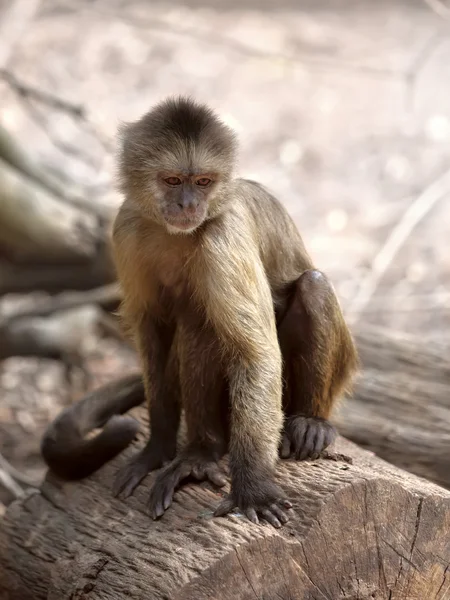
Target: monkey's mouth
<point x="183" y="225"/>
<point x="185" y="222"/>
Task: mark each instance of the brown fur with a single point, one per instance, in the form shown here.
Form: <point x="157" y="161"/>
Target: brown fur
<point x="219" y="280"/>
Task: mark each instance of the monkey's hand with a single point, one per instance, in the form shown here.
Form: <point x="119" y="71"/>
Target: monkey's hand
<point x="198" y="466"/>
<point x="257" y="499"/>
<point x="152" y="457"/>
<point x="306" y="437"/>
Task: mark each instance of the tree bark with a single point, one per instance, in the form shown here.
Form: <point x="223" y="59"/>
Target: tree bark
<point x="400" y="409"/>
<point x="362" y="530"/>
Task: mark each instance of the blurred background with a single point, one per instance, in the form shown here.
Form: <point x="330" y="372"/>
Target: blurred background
<point x="342" y="109"/>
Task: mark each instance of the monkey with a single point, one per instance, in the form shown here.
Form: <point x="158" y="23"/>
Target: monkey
<point x="234" y="325"/>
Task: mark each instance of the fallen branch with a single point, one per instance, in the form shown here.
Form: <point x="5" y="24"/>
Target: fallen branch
<point x="28" y="91"/>
<point x="52" y="278"/>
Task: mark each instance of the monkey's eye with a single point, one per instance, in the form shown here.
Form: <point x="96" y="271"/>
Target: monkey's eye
<point x="203" y="182"/>
<point x="173" y="181"/>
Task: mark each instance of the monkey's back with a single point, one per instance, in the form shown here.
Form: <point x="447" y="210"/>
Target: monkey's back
<point x="281" y="247"/>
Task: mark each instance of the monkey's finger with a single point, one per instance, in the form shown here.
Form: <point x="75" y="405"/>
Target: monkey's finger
<point x="251" y="515"/>
<point x="270" y="517"/>
<point x="298" y="434"/>
<point x="330" y="435"/>
<point x="163" y="489"/>
<point x="198" y="472"/>
<point x="156" y="504"/>
<point x="224" y="507"/>
<point x="279" y="513"/>
<point x="128" y="478"/>
<point x="305" y="451"/>
<point x="318" y="443"/>
<point x="285" y="450"/>
<point x="216" y="476"/>
<point x="168" y="497"/>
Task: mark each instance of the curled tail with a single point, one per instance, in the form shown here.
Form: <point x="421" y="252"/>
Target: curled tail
<point x="64" y="447"/>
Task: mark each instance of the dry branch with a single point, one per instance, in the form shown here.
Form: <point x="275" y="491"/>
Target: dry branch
<point x="107" y="296"/>
<point x="55" y="182"/>
<point x="61" y="335"/>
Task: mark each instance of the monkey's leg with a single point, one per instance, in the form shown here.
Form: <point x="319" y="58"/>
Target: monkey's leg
<point x="204" y="400"/>
<point x="319" y="359"/>
<point x="161" y="447"/>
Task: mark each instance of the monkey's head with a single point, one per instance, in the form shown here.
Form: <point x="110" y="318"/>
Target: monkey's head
<point x="176" y="164"/>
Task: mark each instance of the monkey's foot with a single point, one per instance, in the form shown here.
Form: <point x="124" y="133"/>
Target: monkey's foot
<point x="152" y="457"/>
<point x="266" y="502"/>
<point x="306" y="437"/>
<point x="170" y="477"/>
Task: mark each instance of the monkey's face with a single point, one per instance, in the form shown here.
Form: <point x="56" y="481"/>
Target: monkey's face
<point x="184" y="199"/>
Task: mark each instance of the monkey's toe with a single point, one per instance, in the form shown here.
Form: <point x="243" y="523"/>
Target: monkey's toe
<point x="306" y="437"/>
<point x="161" y="494"/>
<point x="131" y="474"/>
<point x="275" y="513"/>
<point x="169" y="479"/>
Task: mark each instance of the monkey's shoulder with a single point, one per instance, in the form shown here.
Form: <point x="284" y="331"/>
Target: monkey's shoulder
<point x="281" y="247"/>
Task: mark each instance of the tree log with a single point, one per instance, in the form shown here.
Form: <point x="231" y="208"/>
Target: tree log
<point x="58" y="184"/>
<point x="401" y="406"/>
<point x="35" y="226"/>
<point x="363" y="530"/>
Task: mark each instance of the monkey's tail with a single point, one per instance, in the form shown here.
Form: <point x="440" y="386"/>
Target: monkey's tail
<point x="64" y="447"/>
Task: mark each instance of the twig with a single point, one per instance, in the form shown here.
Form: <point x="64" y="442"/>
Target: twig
<point x="413" y="215"/>
<point x="17" y="475"/>
<point x="9" y="484"/>
<point x="15" y="154"/>
<point x="27" y="91"/>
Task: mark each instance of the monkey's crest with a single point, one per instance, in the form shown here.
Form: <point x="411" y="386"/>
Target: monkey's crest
<point x="179" y="139"/>
<point x="177" y="133"/>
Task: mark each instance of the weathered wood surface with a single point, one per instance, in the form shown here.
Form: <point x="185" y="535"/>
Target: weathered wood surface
<point x="401" y="405"/>
<point x="361" y="531"/>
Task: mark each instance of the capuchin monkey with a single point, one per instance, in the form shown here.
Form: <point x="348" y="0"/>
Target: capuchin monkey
<point x="233" y="324"/>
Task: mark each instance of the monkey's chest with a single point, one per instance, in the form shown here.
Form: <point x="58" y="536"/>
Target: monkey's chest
<point x="175" y="294"/>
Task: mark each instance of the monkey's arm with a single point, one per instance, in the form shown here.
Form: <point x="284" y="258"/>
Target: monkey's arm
<point x="239" y="306"/>
<point x="154" y="339"/>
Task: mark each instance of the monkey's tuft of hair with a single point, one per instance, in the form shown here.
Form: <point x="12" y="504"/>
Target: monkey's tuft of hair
<point x="177" y="127"/>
